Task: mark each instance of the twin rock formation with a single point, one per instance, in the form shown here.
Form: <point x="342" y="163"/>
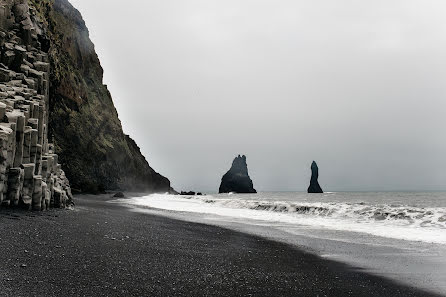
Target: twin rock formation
<point x="51" y="90"/>
<point x="237" y="179"/>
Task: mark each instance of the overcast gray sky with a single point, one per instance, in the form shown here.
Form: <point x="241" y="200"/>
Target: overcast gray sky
<point x="358" y="86"/>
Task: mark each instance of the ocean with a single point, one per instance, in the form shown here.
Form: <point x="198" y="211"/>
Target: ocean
<point x="400" y="215"/>
<point x="401" y="235"/>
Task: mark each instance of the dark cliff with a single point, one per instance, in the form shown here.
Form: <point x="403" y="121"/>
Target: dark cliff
<point x="83" y="123"/>
<point x="314" y="184"/>
<point x="30" y="174"/>
<point x="237" y="179"/>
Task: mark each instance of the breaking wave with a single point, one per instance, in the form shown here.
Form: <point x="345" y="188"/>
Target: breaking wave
<point x="426" y="224"/>
<point x="416" y="216"/>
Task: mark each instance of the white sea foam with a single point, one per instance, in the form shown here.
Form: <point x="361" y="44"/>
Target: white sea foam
<point x="427" y="224"/>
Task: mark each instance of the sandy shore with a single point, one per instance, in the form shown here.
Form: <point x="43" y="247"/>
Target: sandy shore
<point x="103" y="249"/>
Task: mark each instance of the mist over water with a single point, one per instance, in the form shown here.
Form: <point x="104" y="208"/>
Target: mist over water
<point x="357" y="86"/>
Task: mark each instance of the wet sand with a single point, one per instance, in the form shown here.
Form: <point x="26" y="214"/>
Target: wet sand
<point x="103" y="249"/>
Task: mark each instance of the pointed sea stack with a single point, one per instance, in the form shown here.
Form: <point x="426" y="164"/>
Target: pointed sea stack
<point x="237" y="179"/>
<point x="314" y="184"/>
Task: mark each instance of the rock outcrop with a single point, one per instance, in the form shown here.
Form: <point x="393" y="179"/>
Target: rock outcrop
<point x="314" y="184"/>
<point x="237" y="179"/>
<point x="190" y="193"/>
<point x="83" y="123"/>
<point x="30" y="174"/>
<point x="119" y="195"/>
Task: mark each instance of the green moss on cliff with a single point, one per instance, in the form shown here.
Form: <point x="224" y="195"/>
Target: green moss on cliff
<point x="83" y="122"/>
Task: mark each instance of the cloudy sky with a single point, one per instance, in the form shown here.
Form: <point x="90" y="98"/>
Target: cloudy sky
<point x="358" y="86"/>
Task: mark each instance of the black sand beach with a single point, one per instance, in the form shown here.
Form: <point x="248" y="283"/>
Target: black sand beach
<point x="103" y="249"/>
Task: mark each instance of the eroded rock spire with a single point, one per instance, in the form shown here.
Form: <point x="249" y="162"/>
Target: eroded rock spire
<point x="314" y="184"/>
<point x="237" y="179"/>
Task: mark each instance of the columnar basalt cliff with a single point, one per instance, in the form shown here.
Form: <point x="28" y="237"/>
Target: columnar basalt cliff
<point x="314" y="184"/>
<point x="30" y="175"/>
<point x="237" y="179"/>
<point x="82" y="121"/>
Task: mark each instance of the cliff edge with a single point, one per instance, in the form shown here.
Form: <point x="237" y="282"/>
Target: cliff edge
<point x="83" y="123"/>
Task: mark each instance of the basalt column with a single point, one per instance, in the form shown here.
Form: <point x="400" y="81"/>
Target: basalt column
<point x="27" y="178"/>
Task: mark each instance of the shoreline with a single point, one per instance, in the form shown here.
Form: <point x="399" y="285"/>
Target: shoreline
<point x="103" y="249"/>
<point x="417" y="264"/>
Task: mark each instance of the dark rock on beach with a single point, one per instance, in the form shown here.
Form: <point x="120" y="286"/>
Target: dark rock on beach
<point x="119" y="195"/>
<point x="190" y="193"/>
<point x="314" y="184"/>
<point x="237" y="179"/>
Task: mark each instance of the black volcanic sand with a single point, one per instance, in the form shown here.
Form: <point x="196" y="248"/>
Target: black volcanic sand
<point x="103" y="249"/>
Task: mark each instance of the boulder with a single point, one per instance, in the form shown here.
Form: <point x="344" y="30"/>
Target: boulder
<point x="237" y="179"/>
<point x="119" y="195"/>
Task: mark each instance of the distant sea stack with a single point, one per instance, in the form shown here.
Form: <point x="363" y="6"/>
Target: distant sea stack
<point x="314" y="184"/>
<point x="49" y="62"/>
<point x="237" y="179"/>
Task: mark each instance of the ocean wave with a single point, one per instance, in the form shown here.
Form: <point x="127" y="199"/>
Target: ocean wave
<point x="361" y="212"/>
<point x="427" y="224"/>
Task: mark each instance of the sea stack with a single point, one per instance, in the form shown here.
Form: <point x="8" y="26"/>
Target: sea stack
<point x="314" y="184"/>
<point x="237" y="179"/>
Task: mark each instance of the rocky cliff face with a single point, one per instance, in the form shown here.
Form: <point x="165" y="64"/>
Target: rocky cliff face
<point x="237" y="179"/>
<point x="83" y="123"/>
<point x="314" y="184"/>
<point x="30" y="175"/>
